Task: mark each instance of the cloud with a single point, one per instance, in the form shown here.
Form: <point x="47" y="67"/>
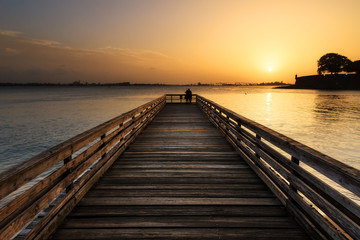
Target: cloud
<point x="11" y="51"/>
<point x="25" y="59"/>
<point x="35" y="60"/>
<point x="137" y="55"/>
<point x="41" y="42"/>
<point x="17" y="35"/>
<point x="134" y="52"/>
<point x="9" y="33"/>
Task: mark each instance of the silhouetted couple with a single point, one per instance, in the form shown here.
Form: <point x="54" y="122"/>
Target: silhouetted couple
<point x="188" y="96"/>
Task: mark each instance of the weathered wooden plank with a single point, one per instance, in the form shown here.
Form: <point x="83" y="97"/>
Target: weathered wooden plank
<point x="352" y="228"/>
<point x="221" y="193"/>
<point x="305" y="222"/>
<point x="116" y="171"/>
<point x="181" y="141"/>
<point x="182" y="133"/>
<point x="179" y="210"/>
<point x="177" y="201"/>
<point x="181" y="233"/>
<point x="180" y="120"/>
<point x="183" y="222"/>
<point x="180" y="180"/>
<point x="11" y="209"/>
<point x="182" y="148"/>
<point x="194" y="186"/>
<point x="183" y="125"/>
<point x="173" y="158"/>
<point x="139" y="159"/>
<point x="119" y="175"/>
<point x="186" y="155"/>
<point x="176" y="159"/>
<point x="180" y="165"/>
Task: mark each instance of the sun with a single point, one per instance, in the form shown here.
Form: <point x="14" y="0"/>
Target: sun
<point x="270" y="69"/>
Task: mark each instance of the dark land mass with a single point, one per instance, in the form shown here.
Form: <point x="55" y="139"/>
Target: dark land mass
<point x="142" y="84"/>
<point x="327" y="82"/>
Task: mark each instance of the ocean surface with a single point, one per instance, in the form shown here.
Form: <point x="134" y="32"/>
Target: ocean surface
<point x="32" y="119"/>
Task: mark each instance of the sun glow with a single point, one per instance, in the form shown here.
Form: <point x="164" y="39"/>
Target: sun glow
<point x="175" y="42"/>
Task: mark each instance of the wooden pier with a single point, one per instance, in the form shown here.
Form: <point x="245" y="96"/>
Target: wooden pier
<point x="179" y="171"/>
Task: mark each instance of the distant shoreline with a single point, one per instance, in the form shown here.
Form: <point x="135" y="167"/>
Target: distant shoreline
<point x="327" y="82"/>
<point x="78" y="84"/>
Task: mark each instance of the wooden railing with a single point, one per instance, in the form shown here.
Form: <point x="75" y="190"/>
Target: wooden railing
<point x="38" y="194"/>
<point x="282" y="164"/>
<point x="179" y="98"/>
<point x="33" y="205"/>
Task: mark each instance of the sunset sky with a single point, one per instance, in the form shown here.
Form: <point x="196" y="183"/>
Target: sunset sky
<point x="173" y="41"/>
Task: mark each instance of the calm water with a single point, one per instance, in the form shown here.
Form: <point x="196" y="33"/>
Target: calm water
<point x="32" y="119"/>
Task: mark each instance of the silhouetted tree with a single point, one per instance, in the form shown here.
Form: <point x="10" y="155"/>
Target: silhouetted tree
<point x="333" y="63"/>
<point x="354" y="67"/>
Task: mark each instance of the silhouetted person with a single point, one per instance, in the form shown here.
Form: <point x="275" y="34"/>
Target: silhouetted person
<point x="188" y="96"/>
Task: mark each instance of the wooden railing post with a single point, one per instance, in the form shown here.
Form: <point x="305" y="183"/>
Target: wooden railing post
<point x="66" y="161"/>
<point x="239" y="127"/>
<point x="227" y="121"/>
<point x="239" y="123"/>
<point x="132" y="121"/>
<point x="297" y="162"/>
<point x="258" y="145"/>
<point x="102" y="145"/>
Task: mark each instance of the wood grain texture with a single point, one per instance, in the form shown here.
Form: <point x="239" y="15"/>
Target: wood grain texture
<point x="275" y="159"/>
<point x="85" y="157"/>
<point x="181" y="233"/>
<point x="180" y="179"/>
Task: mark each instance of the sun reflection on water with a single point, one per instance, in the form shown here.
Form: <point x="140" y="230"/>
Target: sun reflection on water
<point x="268" y="106"/>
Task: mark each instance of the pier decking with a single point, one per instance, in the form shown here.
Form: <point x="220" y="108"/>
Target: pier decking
<point x="180" y="179"/>
<point x="180" y="171"/>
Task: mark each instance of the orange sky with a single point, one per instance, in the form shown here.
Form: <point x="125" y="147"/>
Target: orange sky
<point x="174" y="42"/>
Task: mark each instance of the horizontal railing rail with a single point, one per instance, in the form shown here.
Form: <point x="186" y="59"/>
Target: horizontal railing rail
<point x="283" y="164"/>
<point x="38" y="194"/>
<point x="179" y="98"/>
<point x="33" y="206"/>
